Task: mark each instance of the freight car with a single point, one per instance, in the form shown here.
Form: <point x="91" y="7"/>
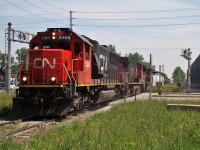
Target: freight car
<point x="67" y="71"/>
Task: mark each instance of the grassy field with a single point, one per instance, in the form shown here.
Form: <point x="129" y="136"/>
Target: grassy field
<point x="169" y="87"/>
<point x="5" y="104"/>
<point x="135" y="125"/>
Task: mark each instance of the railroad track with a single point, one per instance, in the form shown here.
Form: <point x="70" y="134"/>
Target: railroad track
<point x="16" y="121"/>
<point x="21" y="130"/>
<point x="10" y="122"/>
<point x="9" y="126"/>
<point x="23" y="134"/>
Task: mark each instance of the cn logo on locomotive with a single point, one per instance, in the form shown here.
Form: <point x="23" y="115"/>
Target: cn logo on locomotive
<point x="39" y="63"/>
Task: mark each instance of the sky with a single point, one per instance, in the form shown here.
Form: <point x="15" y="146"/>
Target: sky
<point x="161" y="28"/>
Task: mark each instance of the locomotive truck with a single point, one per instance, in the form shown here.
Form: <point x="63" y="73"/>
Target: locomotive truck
<point x="67" y="71"/>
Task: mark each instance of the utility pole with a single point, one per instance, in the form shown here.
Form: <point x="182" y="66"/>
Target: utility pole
<point x="6" y="47"/>
<point x="70" y="19"/>
<point x="160" y="73"/>
<point x="186" y="53"/>
<point x="150" y="86"/>
<point x="8" y="63"/>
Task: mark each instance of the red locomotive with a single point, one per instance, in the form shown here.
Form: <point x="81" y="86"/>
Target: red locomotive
<point x="68" y="71"/>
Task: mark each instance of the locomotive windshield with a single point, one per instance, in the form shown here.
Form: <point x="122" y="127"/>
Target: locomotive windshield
<point x="51" y="45"/>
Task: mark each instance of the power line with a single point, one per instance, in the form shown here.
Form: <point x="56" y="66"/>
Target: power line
<point x="137" y="26"/>
<point x="42" y="8"/>
<point x="54" y="6"/>
<point x="33" y="22"/>
<point x="144" y="11"/>
<point x="113" y="26"/>
<point x="29" y="11"/>
<point x="156" y="18"/>
<point x="38" y="22"/>
<point x="42" y="27"/>
<point x="149" y="48"/>
<point x="26" y="10"/>
<point x="128" y="19"/>
<point x="29" y="15"/>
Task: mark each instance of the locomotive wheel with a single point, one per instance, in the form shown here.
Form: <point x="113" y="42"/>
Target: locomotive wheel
<point x="129" y="93"/>
<point x="118" y="94"/>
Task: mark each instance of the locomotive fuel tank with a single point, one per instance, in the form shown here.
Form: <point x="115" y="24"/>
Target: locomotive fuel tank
<point x="103" y="96"/>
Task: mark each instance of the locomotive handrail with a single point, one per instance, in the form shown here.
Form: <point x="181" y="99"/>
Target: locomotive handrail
<point x="73" y="72"/>
<point x="69" y="79"/>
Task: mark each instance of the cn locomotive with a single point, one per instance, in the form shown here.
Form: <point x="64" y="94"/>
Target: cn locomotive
<point x="67" y="71"/>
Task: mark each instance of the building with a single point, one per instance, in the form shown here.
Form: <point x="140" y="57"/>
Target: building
<point x="195" y="73"/>
<point x="159" y="77"/>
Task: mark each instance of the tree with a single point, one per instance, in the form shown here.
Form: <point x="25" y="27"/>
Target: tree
<point x="178" y="74"/>
<point x="136" y="57"/>
<point x="146" y="64"/>
<point x="22" y="54"/>
<point x="2" y="60"/>
<point x="112" y="48"/>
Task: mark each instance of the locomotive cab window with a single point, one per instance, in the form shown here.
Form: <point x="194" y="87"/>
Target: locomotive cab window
<point x="35" y="46"/>
<point x="48" y="46"/>
<point x="77" y="48"/>
<point x="65" y="46"/>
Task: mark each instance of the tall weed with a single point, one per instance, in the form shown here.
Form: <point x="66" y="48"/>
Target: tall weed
<point x="5" y="104"/>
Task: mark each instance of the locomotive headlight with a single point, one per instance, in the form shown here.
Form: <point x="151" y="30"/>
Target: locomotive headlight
<point x="53" y="37"/>
<point x="24" y="78"/>
<point x="53" y="79"/>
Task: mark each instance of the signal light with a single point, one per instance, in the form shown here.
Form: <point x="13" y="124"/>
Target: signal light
<point x="22" y="36"/>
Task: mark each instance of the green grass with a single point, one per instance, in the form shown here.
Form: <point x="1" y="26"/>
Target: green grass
<point x="169" y="87"/>
<point x="135" y="125"/>
<point x="5" y="104"/>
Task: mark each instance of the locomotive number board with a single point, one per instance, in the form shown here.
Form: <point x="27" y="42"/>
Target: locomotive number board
<point x="45" y="37"/>
<point x="59" y="37"/>
<point x="64" y="37"/>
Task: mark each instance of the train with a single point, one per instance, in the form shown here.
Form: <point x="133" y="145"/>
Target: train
<point x="66" y="71"/>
